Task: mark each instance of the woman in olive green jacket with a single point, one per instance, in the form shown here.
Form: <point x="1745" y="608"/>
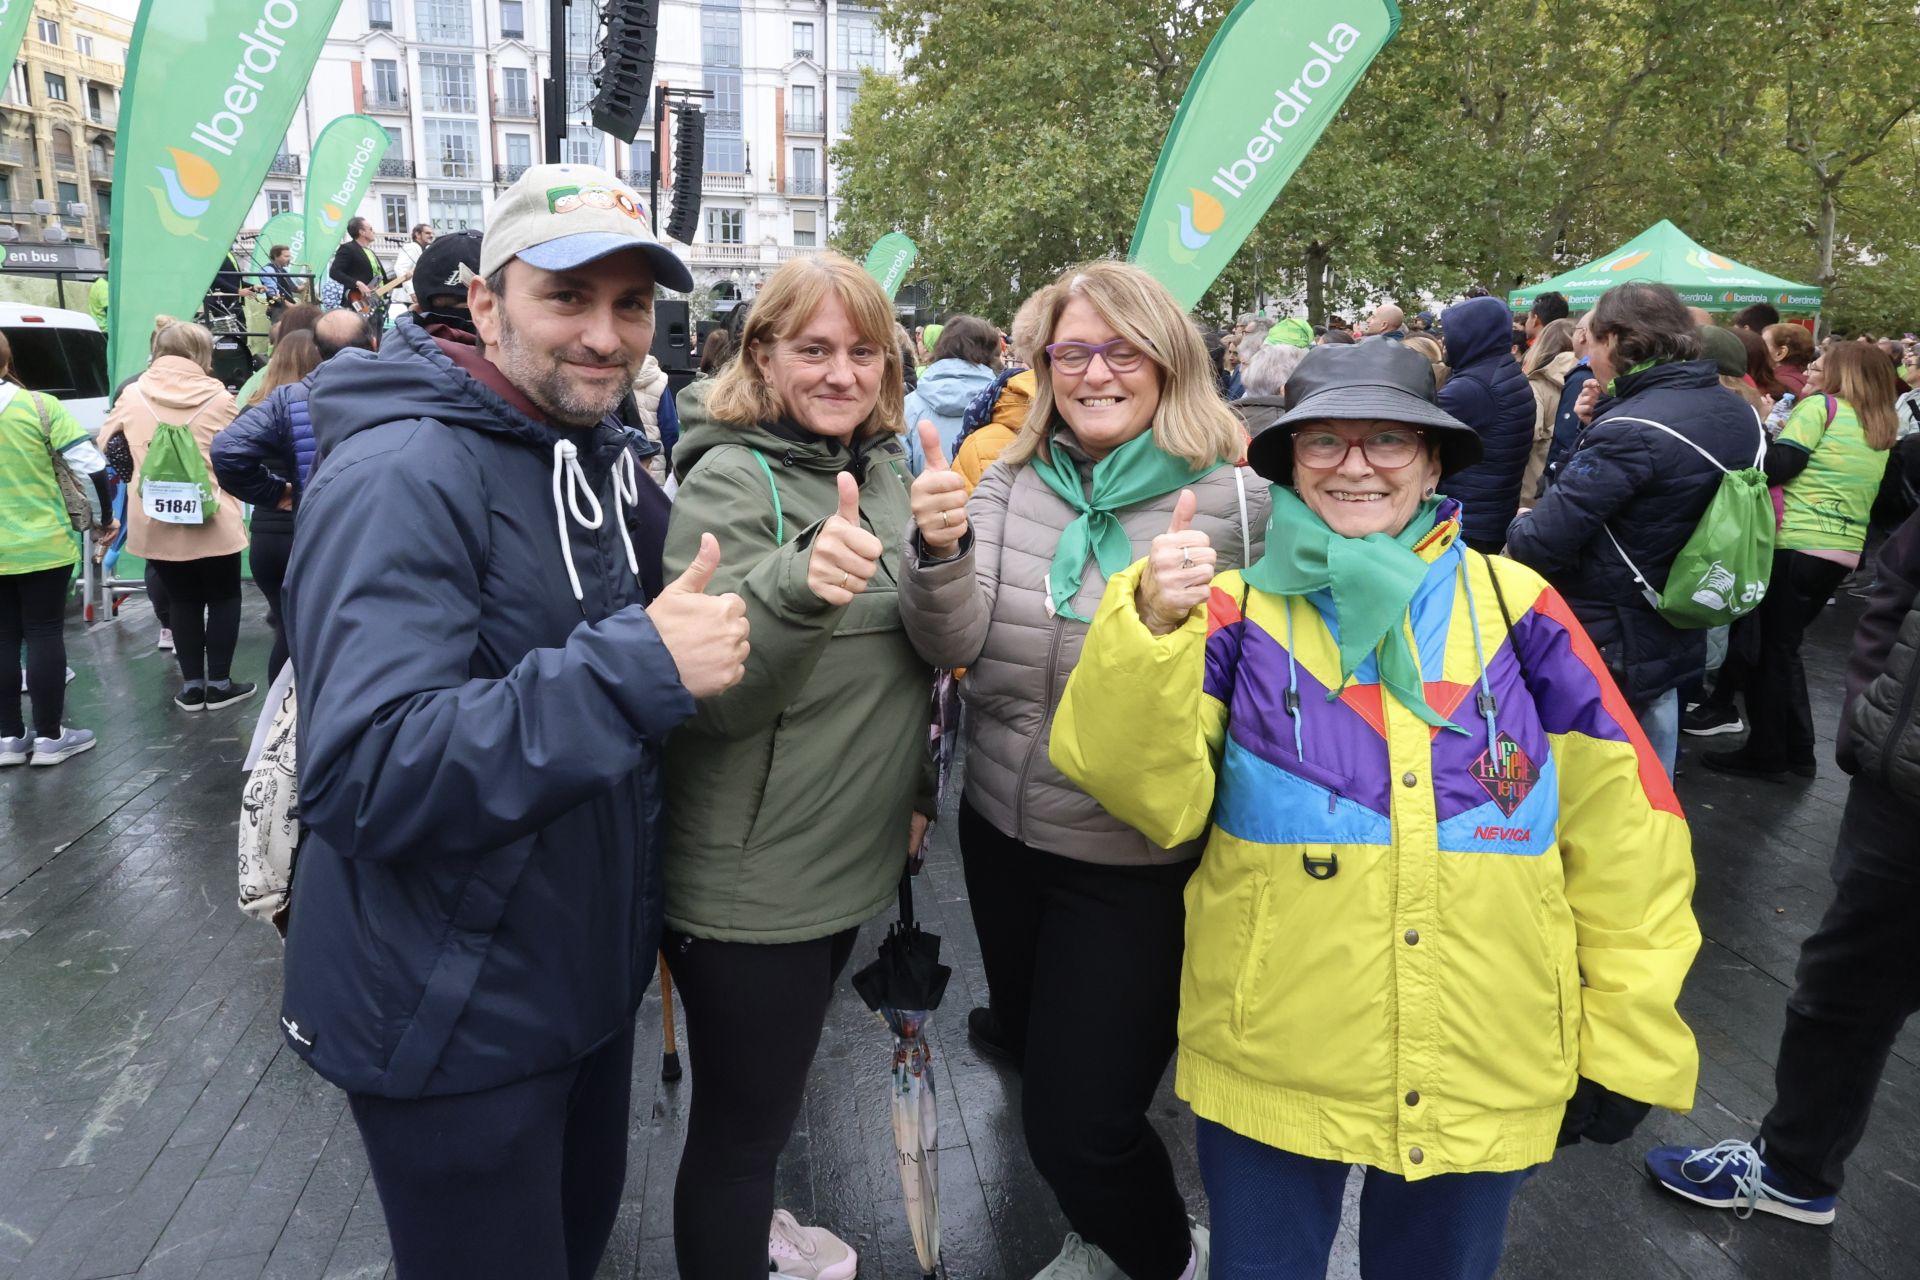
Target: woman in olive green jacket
<point x="794" y="798"/>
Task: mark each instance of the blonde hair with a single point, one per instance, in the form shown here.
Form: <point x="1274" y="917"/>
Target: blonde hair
<point x="1554" y="339"/>
<point x="741" y="392"/>
<point x="1864" y="378"/>
<point x="1192" y="423"/>
<point x="1025" y="332"/>
<point x="1434" y="352"/>
<point x="173" y="337"/>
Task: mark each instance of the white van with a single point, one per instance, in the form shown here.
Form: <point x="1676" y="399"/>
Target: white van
<point x="62" y="353"/>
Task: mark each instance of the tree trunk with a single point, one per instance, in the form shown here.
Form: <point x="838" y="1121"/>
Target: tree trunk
<point x="1317" y="264"/>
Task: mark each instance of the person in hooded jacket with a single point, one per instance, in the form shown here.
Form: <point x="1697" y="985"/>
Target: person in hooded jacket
<point x="1633" y="493"/>
<point x="484" y="694"/>
<point x="795" y="799"/>
<point x="1547" y="364"/>
<point x="966" y="361"/>
<point x="1486" y="390"/>
<point x="994" y="415"/>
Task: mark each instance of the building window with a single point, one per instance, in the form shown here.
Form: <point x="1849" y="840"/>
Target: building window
<point x="720" y="37"/>
<point x="99" y="159"/>
<point x="62" y="148"/>
<point x="49" y="31"/>
<point x="279" y="201"/>
<point x="642" y="159"/>
<point x="805" y="229"/>
<point x="806" y="109"/>
<point x="806" y="177"/>
<point x="69" y="193"/>
<point x="803" y="39"/>
<point x="513" y="22"/>
<point x="585" y="145"/>
<point x="519" y="150"/>
<point x="583" y="25"/>
<point x="386" y="82"/>
<point x="380" y="14"/>
<point x="579" y="87"/>
<point x="448" y="21"/>
<point x="56" y="87"/>
<point x="83" y="44"/>
<point x="393" y="214"/>
<point x="453" y="148"/>
<point x="726" y="226"/>
<point x="860" y="44"/>
<point x="513" y="91"/>
<point x="446" y="82"/>
<point x="454" y="210"/>
<point x="845" y="94"/>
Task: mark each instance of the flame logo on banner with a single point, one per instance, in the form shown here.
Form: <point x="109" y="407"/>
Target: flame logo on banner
<point x="330" y="215"/>
<point x="1198" y="222"/>
<point x="1630" y="260"/>
<point x="189" y="185"/>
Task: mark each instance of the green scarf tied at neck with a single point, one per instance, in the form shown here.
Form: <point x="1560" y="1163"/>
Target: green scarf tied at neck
<point x="1138" y="471"/>
<point x="1372" y="579"/>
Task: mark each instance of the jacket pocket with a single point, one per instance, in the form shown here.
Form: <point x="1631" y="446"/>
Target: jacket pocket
<point x="1253" y="957"/>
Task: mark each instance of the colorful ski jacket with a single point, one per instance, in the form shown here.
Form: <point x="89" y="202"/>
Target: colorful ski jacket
<point x="1403" y="944"/>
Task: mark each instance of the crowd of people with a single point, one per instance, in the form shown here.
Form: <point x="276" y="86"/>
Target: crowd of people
<point x="1286" y="651"/>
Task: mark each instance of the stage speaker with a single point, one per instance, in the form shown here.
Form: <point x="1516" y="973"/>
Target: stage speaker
<point x="625" y="77"/>
<point x="689" y="170"/>
<point x="670" y="336"/>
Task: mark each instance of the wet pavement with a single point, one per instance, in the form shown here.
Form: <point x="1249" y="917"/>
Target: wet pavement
<point x="153" y="1125"/>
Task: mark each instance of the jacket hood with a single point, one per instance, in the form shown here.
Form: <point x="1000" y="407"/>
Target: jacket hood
<point x="1475" y="330"/>
<point x="1554" y="372"/>
<point x="174" y="382"/>
<point x="1677" y="374"/>
<point x="948" y="384"/>
<point x="412" y="376"/>
<point x="783" y="444"/>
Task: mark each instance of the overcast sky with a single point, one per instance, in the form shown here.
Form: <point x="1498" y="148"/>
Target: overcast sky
<point x="119" y="8"/>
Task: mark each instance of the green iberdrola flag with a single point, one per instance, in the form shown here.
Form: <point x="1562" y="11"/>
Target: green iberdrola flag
<point x="281" y="228"/>
<point x="892" y="254"/>
<point x="344" y="159"/>
<point x="14" y="16"/>
<point x="1270" y="83"/>
<point x="211" y="87"/>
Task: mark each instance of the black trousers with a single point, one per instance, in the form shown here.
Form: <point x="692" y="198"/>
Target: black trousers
<point x="1779" y="716"/>
<point x="33" y="608"/>
<point x="1084" y="964"/>
<point x="157" y="597"/>
<point x="1856" y="986"/>
<point x="270" y="548"/>
<point x="523" y="1180"/>
<point x="754" y="1016"/>
<point x="203" y="606"/>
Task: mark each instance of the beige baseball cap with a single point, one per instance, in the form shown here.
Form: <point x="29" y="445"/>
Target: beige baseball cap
<point x="561" y="216"/>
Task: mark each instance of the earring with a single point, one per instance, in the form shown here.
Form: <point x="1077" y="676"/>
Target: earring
<point x="1429" y="492"/>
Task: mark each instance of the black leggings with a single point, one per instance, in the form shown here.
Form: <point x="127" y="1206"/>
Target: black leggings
<point x="33" y="608"/>
<point x="157" y="596"/>
<point x="754" y="1015"/>
<point x="204" y="604"/>
<point x="271" y="547"/>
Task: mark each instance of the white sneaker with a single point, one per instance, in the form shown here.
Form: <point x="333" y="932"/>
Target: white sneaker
<point x="70" y="743"/>
<point x="23" y="678"/>
<point x="1080" y="1260"/>
<point x="166" y="640"/>
<point x="16" y="750"/>
<point x="807" y="1253"/>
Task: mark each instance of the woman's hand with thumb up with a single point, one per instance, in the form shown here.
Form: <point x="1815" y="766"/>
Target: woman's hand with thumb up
<point x="1179" y="572"/>
<point x="939" y="497"/>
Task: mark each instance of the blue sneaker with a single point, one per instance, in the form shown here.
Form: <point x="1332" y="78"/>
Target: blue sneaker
<point x="1732" y="1175"/>
<point x="16" y="750"/>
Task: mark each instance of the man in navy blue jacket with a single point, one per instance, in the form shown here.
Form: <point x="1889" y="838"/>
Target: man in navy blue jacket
<point x="1487" y="391"/>
<point x="484" y="691"/>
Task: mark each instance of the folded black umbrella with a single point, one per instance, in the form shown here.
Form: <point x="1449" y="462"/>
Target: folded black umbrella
<point x="907" y="974"/>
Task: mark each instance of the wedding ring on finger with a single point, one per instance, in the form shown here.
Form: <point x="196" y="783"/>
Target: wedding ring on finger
<point x="1186" y="557"/>
<point x="946" y="518"/>
<point x="845" y="578"/>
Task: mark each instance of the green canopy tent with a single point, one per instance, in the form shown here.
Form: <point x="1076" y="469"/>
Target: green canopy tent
<point x="1665" y="253"/>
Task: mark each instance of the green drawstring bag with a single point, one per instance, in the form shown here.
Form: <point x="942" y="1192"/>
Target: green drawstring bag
<point x="1721" y="572"/>
<point x="174" y="485"/>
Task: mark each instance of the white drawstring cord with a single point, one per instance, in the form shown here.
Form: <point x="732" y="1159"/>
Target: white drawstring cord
<point x="626" y="493"/>
<point x="570" y="488"/>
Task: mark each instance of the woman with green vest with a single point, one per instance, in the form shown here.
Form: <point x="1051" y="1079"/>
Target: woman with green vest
<point x="794" y="799"/>
<point x="1079" y="916"/>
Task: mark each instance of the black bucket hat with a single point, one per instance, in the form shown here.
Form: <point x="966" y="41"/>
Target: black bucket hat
<point x="1375" y="379"/>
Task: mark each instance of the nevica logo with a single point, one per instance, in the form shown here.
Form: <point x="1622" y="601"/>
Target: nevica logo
<point x="189" y="184"/>
<point x="1203" y="215"/>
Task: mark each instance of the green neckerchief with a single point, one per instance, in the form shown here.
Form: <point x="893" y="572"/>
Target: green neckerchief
<point x="1613" y="384"/>
<point x="1372" y="580"/>
<point x="1138" y="471"/>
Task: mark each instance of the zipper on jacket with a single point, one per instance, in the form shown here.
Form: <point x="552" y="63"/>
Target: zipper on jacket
<point x="1252" y="961"/>
<point x="1903" y="716"/>
<point x="1046" y="722"/>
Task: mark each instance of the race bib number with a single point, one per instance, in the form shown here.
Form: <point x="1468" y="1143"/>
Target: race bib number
<point x="172" y="501"/>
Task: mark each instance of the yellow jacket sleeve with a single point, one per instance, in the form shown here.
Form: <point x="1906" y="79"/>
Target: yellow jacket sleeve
<point x="1136" y="728"/>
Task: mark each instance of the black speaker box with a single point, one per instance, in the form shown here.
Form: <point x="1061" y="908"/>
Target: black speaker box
<point x="671" y="331"/>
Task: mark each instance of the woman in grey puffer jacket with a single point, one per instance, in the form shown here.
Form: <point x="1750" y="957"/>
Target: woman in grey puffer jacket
<point x="1080" y="917"/>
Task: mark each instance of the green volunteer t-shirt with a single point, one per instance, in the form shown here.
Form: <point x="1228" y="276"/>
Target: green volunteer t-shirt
<point x="1826" y="505"/>
<point x="34" y="533"/>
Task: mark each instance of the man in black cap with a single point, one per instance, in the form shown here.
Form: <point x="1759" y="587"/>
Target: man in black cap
<point x="440" y="280"/>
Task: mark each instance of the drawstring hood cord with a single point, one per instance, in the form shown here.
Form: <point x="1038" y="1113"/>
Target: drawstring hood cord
<point x="570" y="489"/>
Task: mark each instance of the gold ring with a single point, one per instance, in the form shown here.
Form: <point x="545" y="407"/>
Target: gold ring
<point x="1186" y="558"/>
<point x="845" y="578"/>
<point x="946" y="518"/>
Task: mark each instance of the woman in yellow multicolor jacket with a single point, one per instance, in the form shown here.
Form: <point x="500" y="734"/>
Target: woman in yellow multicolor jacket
<point x="1443" y="912"/>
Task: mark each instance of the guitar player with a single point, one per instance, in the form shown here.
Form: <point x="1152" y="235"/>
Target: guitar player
<point x="356" y="270"/>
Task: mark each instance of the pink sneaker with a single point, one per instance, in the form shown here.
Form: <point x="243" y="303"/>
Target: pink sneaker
<point x="807" y="1253"/>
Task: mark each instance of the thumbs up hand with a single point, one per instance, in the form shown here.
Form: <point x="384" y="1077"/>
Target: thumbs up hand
<point x="845" y="555"/>
<point x="939" y="497"/>
<point x="706" y="635"/>
<point x="1179" y="572"/>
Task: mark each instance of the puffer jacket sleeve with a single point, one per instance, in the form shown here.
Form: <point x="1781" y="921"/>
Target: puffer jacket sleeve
<point x="402" y="752"/>
<point x="249" y="454"/>
<point x="1138" y="729"/>
<point x="1627" y="855"/>
<point x="947" y="605"/>
<point x="1595" y="482"/>
<point x="788" y="626"/>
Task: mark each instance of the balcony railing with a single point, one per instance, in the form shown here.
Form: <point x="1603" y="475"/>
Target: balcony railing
<point x="725" y="182"/>
<point x="13" y="151"/>
<point x="806" y="122"/>
<point x="104" y="118"/>
<point x="513" y="108"/>
<point x="505" y="175"/>
<point x="451" y="167"/>
<point x="804" y="187"/>
<point x="512" y="33"/>
<point x="724" y="120"/>
<point x="436" y="100"/>
<point x="392" y="168"/>
<point x="285" y="164"/>
<point x="638" y="179"/>
<point x="392" y="101"/>
<point x="64" y="160"/>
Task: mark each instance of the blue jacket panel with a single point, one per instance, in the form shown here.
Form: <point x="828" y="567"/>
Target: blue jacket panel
<point x="941" y="398"/>
<point x="1566" y="423"/>
<point x="268" y="447"/>
<point x="1487" y="391"/>
<point x="1649" y="490"/>
<point x="477" y="898"/>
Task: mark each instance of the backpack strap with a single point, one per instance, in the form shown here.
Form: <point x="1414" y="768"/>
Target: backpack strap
<point x="1246" y="534"/>
<point x="1506" y="616"/>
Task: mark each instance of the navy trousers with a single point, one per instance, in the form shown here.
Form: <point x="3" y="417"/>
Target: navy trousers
<point x="1275" y="1215"/>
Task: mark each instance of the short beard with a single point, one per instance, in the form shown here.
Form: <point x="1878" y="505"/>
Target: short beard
<point x="542" y="379"/>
